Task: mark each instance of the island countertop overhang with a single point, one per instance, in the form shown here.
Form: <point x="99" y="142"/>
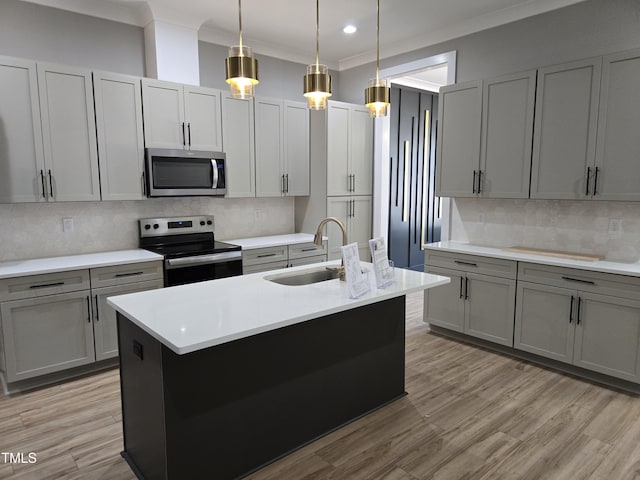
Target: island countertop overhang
<point x="188" y="318"/>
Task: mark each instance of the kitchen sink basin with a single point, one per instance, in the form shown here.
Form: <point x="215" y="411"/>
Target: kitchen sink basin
<point x="305" y="277"/>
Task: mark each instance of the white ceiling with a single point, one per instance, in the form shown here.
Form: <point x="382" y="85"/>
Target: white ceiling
<point x="286" y="28"/>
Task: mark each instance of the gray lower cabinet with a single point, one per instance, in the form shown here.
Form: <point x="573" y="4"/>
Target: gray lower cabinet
<point x="47" y="334"/>
<point x="474" y="303"/>
<point x="105" y="331"/>
<point x="282" y="256"/>
<point x="588" y="319"/>
<point x="57" y="321"/>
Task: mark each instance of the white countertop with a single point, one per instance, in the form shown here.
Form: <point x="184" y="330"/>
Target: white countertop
<point x="273" y="240"/>
<point x="604" y="266"/>
<point x="21" y="268"/>
<point x="188" y="318"/>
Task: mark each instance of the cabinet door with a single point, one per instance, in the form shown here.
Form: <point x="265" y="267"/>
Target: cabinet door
<point x="46" y="334"/>
<point x="564" y="137"/>
<point x="544" y="320"/>
<point x="203" y="115"/>
<point x="340" y="208"/>
<point x="118" y="104"/>
<point x="105" y="328"/>
<point x="359" y="224"/>
<point x="238" y="138"/>
<point x="270" y="179"/>
<point x="444" y="305"/>
<point x="490" y="308"/>
<point x="608" y="336"/>
<point x="618" y="145"/>
<point x="21" y="155"/>
<point x="69" y="133"/>
<point x="164" y="125"/>
<point x="507" y="130"/>
<point x="338" y="181"/>
<point x="361" y="151"/>
<point x="458" y="146"/>
<point x="296" y="148"/>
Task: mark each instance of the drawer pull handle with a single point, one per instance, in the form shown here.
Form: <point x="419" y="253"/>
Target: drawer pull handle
<point x="267" y="255"/>
<point x="570" y="279"/>
<point x="471" y="264"/>
<point x="571" y="310"/>
<point x="45" y="285"/>
<point x="309" y="249"/>
<point x="130" y="274"/>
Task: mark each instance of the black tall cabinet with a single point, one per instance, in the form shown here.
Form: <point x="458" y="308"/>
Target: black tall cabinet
<point x="414" y="209"/>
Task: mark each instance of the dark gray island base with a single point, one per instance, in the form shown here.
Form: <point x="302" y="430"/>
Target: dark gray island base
<point x="225" y="411"/>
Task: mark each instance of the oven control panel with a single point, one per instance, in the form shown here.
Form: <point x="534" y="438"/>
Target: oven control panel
<point x="156" y="227"/>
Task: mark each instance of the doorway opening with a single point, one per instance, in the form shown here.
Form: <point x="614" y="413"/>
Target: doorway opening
<point x="406" y="212"/>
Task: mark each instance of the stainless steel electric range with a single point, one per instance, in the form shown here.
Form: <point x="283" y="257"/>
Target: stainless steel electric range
<point x="191" y="252"/>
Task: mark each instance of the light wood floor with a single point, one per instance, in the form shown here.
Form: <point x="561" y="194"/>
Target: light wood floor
<point x="470" y="414"/>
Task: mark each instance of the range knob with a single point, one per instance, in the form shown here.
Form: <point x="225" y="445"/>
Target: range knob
<point x="201" y="222"/>
<point x="156" y="226"/>
<point x="147" y="226"/>
<point x="209" y="222"/>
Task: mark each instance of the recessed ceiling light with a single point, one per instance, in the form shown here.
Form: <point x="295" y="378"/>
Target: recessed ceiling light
<point x="349" y="29"/>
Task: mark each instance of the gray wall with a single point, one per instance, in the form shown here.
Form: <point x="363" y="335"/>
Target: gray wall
<point x="41" y="33"/>
<point x="586" y="29"/>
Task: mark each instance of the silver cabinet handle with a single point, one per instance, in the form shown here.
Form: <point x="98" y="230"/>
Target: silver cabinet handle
<point x="214" y="173"/>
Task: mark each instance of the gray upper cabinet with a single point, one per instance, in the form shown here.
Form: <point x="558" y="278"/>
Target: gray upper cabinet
<point x="349" y="150"/>
<point x="238" y="140"/>
<point x="181" y="116"/>
<point x="507" y="128"/>
<point x="118" y="103"/>
<point x="282" y="148"/>
<point x="458" y="146"/>
<point x="69" y="133"/>
<point x="617" y="166"/>
<point x="564" y="140"/>
<point x="21" y="155"/>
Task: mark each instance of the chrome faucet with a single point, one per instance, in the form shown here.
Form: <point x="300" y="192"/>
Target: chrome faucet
<point x="317" y="239"/>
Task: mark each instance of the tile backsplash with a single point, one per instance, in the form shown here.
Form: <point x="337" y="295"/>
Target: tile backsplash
<point x="35" y="230"/>
<point x="574" y="226"/>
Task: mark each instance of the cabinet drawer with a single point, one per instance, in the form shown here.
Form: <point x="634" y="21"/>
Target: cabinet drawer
<point x="583" y="280"/>
<point x="122" y="274"/>
<point x="263" y="267"/>
<point x="17" y="288"/>
<point x="264" y="255"/>
<point x="310" y="249"/>
<point x="296" y="262"/>
<point x="472" y="263"/>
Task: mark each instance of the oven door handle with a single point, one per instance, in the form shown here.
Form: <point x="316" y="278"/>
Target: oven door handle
<point x="214" y="173"/>
<point x="203" y="259"/>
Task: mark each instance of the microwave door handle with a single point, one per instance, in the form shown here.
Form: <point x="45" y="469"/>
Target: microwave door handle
<point x="214" y="174"/>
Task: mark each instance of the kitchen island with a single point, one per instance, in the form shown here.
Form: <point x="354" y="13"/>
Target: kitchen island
<point x="220" y="378"/>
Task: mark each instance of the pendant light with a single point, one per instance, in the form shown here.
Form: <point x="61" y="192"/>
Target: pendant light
<point x="376" y="95"/>
<point x="317" y="81"/>
<point x="241" y="66"/>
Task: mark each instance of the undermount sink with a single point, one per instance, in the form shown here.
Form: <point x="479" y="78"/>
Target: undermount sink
<point x="305" y="277"/>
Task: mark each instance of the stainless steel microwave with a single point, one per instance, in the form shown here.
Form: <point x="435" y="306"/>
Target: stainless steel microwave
<point x="178" y="173"/>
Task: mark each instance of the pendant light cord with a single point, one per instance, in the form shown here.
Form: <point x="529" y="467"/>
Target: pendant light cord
<point x="317" y="36"/>
<point x="378" y="44"/>
<point x="240" y="23"/>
